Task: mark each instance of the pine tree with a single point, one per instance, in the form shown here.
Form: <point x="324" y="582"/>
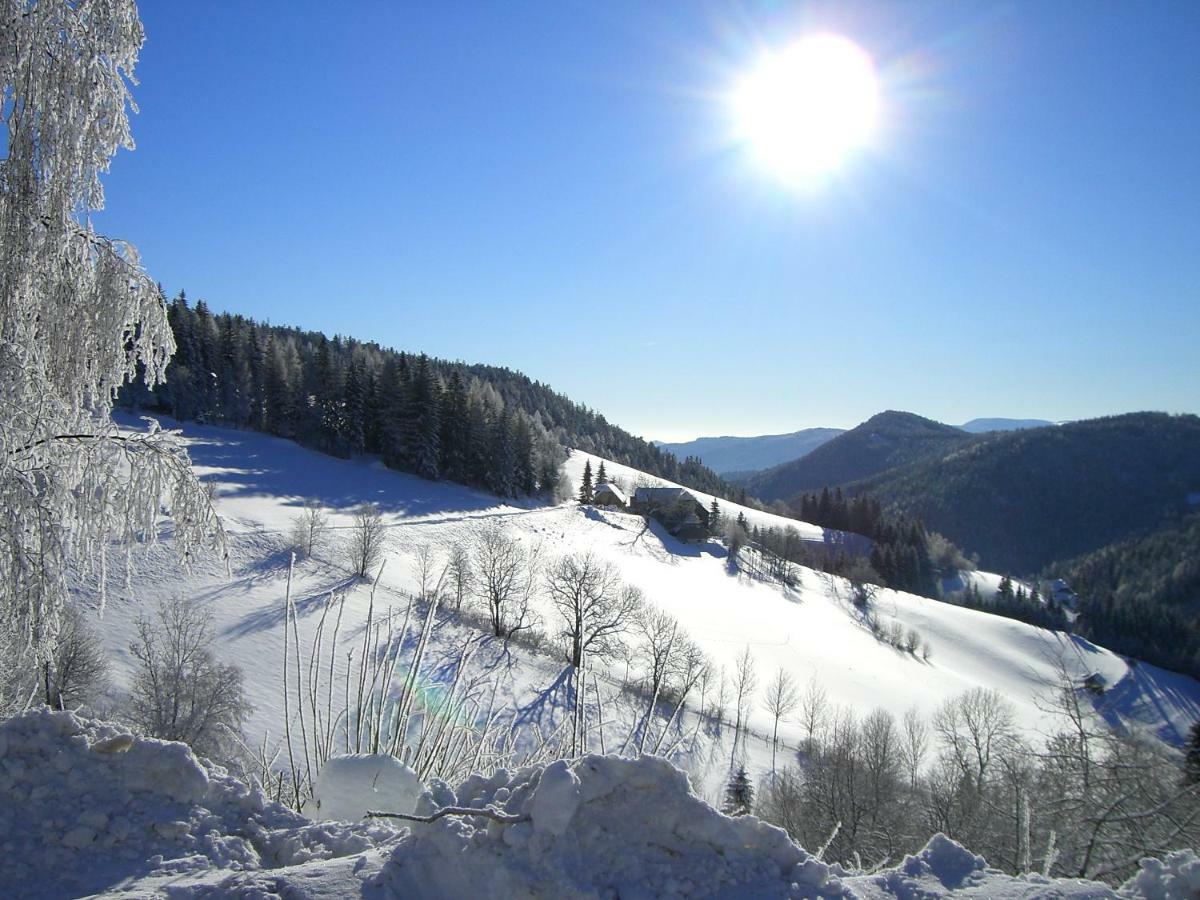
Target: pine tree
<point x="601" y="475"/>
<point x="354" y="417"/>
<point x="525" y="475"/>
<point x="548" y="478"/>
<point x="1005" y="595"/>
<point x="742" y="523"/>
<point x="585" y="486"/>
<point x="502" y="466"/>
<point x="739" y="794"/>
<point x="456" y="429"/>
<point x="714" y="517"/>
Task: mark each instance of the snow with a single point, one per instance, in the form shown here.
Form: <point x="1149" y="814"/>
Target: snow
<point x="350" y="786"/>
<point x="84" y="805"/>
<point x="811" y="630"/>
<point x="555" y="799"/>
<point x="78" y="819"/>
<point x="1176" y="876"/>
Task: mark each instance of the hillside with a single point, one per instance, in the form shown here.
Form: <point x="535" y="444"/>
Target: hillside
<point x="1022" y="499"/>
<point x="729" y="455"/>
<point x="1142" y="596"/>
<point x="811" y="629"/>
<point x="883" y="442"/>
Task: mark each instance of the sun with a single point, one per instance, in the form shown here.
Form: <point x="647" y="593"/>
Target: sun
<point x="805" y="109"/>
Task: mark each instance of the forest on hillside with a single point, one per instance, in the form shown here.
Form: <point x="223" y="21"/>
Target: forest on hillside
<point x="475" y="424"/>
<point x="1026" y="498"/>
<point x="1141" y="596"/>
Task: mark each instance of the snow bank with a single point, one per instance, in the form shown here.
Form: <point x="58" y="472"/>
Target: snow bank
<point x="1175" y="878"/>
<point x="348" y="787"/>
<point x="600" y="826"/>
<point x="84" y="805"/>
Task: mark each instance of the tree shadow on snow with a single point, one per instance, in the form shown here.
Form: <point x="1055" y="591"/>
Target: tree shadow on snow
<point x="304" y="605"/>
<point x="251" y="464"/>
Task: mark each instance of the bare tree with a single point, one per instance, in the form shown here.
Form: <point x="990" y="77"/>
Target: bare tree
<point x="658" y="631"/>
<point x="180" y="691"/>
<point x="309" y="529"/>
<point x="462" y="576"/>
<point x="975" y="728"/>
<point x="366" y="539"/>
<point x="430" y="581"/>
<point x="782" y="698"/>
<point x="914" y="745"/>
<point x="593" y="603"/>
<point x="505" y="573"/>
<point x="814" y="707"/>
<point x="745" y="681"/>
<point x="78" y="670"/>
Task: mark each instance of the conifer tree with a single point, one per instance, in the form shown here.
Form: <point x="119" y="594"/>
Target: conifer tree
<point x="742" y="523"/>
<point x="714" y="517"/>
<point x="456" y="428"/>
<point x="585" y="486"/>
<point x="525" y="474"/>
<point x="739" y="794"/>
<point x="601" y="475"/>
<point x="548" y="478"/>
<point x="354" y="417"/>
<point x="502" y="466"/>
<point x="1004" y="594"/>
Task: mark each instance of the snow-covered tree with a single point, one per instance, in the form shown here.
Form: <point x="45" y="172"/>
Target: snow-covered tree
<point x="78" y="317"/>
<point x="739" y="794"/>
<point x="585" y="486"/>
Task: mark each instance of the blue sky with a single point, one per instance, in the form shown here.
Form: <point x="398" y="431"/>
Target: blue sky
<point x="554" y="187"/>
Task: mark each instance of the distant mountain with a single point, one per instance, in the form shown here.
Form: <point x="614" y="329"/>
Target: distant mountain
<point x="1024" y="498"/>
<point x="883" y="442"/>
<point x="726" y="455"/>
<point x="982" y="426"/>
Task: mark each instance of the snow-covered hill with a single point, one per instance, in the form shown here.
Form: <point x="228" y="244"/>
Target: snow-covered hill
<point x="812" y="630"/>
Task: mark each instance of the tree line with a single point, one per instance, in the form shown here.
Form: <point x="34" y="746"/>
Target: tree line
<point x="1142" y="596"/>
<point x="479" y="425"/>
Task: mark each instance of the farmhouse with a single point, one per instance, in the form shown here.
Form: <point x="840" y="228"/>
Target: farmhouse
<point x="684" y="516"/>
<point x="609" y="495"/>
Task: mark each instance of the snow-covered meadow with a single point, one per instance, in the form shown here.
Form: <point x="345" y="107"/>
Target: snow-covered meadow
<point x="146" y="817"/>
<point x="813" y="630"/>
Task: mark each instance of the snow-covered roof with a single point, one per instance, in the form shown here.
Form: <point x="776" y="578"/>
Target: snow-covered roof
<point x="606" y="488"/>
<point x="662" y="495"/>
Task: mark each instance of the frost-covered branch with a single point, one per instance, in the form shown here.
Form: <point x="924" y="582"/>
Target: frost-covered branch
<point x="486" y="812"/>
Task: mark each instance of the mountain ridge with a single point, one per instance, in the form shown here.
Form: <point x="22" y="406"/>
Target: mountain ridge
<point x="884" y="441"/>
<point x="726" y="454"/>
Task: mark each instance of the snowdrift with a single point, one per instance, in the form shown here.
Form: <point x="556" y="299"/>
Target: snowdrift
<point x="86" y="807"/>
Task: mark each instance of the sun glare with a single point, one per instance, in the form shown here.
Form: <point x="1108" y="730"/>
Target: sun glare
<point x="804" y="109"/>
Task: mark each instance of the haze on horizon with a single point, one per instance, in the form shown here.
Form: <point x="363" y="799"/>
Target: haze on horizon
<point x="564" y="191"/>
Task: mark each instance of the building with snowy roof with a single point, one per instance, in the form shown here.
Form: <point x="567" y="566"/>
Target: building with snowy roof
<point x="609" y="495"/>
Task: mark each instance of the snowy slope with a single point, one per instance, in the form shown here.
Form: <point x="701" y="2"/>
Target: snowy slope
<point x="812" y="631"/>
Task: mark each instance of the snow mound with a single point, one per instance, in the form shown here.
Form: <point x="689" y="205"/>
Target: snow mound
<point x="599" y="826"/>
<point x="1175" y="878"/>
<point x="350" y="786"/>
<point x="84" y="805"/>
